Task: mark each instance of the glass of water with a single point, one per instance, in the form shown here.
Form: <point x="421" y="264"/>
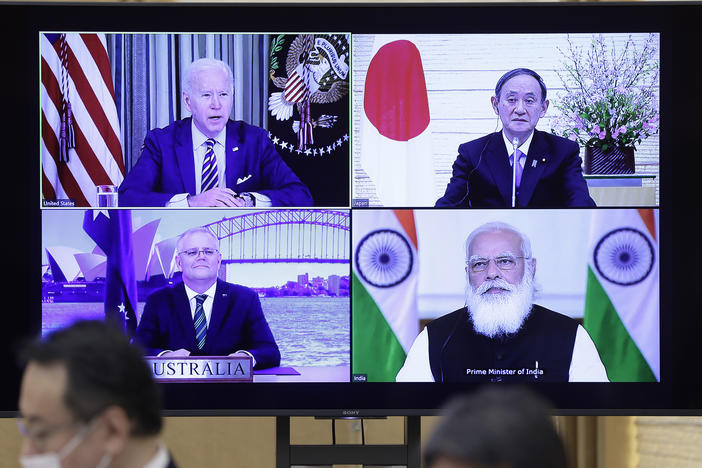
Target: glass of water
<point x="107" y="196"/>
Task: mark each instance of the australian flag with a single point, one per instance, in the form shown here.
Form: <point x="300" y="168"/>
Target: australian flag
<point x="112" y="232"/>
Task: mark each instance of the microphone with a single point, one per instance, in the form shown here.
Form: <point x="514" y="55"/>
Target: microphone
<point x="515" y="161"/>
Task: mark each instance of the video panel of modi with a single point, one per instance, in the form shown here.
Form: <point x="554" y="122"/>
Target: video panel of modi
<point x="537" y="295"/>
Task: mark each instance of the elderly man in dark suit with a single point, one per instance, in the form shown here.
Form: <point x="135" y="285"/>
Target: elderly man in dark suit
<point x="549" y="173"/>
<point x="210" y="160"/>
<point x="203" y="315"/>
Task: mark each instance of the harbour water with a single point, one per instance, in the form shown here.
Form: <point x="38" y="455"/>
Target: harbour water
<point x="310" y="331"/>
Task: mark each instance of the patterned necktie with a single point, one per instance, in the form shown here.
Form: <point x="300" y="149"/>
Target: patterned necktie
<point x="209" y="168"/>
<point x="200" y="321"/>
<point x="520" y="155"/>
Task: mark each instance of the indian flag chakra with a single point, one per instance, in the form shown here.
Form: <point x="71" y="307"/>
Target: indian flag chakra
<point x="622" y="301"/>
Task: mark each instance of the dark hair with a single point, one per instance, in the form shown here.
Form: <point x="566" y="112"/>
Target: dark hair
<point x="516" y="72"/>
<point x="497" y="426"/>
<point x="103" y="369"/>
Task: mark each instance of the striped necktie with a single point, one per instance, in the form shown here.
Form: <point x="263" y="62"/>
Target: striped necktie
<point x="200" y="321"/>
<point x="209" y="168"/>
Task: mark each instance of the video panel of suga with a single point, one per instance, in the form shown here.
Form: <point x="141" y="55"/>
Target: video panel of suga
<point x="194" y="120"/>
<point x="579" y="111"/>
<point x="272" y="286"/>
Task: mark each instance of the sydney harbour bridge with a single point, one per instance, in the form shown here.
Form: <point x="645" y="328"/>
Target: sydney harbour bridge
<point x="284" y="236"/>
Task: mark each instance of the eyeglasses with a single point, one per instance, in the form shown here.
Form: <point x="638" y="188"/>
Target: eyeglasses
<point x="192" y="253"/>
<point x="503" y="262"/>
<point x="40" y="437"/>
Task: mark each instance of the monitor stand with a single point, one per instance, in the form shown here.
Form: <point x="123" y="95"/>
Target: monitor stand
<point x="348" y="454"/>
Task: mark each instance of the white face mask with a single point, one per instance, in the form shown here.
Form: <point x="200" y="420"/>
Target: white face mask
<point x="53" y="459"/>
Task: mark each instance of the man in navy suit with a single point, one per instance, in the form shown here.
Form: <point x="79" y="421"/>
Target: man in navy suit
<point x="549" y="173"/>
<point x="203" y="315"/>
<point x="209" y="160"/>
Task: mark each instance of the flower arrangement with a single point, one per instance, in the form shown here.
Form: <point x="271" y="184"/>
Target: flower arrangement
<point x="609" y="98"/>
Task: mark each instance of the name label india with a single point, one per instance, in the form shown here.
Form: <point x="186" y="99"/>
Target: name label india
<point x="201" y="369"/>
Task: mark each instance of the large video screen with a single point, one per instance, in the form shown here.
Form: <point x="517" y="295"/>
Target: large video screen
<point x="372" y="216"/>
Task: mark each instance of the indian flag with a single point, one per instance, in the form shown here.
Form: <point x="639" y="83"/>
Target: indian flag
<point x="384" y="292"/>
<point x="622" y="299"/>
<point x="395" y="131"/>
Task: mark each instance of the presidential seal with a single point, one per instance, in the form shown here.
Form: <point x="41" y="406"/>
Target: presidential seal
<point x="309" y="102"/>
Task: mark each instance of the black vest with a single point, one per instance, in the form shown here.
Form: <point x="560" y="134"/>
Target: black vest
<point x="458" y="354"/>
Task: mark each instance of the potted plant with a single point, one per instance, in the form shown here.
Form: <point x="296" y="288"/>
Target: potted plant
<point x="609" y="105"/>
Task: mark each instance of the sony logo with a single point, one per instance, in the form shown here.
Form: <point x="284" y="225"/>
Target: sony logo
<point x="350" y="412"/>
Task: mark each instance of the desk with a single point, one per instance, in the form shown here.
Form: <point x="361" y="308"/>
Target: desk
<point x="309" y="374"/>
<point x="621" y="190"/>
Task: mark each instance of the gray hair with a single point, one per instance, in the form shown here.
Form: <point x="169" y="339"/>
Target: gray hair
<point x="204" y="64"/>
<point x="191" y="231"/>
<point x="499" y="226"/>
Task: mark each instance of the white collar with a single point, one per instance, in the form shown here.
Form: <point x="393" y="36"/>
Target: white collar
<point x="524" y="147"/>
<point x="199" y="138"/>
<point x="210" y="292"/>
<point x="160" y="460"/>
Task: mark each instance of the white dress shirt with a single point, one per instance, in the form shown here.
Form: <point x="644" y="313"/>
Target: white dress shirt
<point x="524" y="148"/>
<point x="180" y="200"/>
<point x="160" y="460"/>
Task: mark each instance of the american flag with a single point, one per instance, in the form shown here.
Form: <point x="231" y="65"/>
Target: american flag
<point x="80" y="130"/>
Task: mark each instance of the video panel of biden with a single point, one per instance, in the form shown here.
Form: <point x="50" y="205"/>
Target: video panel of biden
<point x="194" y="120"/>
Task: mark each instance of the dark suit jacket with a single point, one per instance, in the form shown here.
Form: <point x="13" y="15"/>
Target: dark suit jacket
<point x="237" y="323"/>
<point x="166" y="167"/>
<point x="552" y="177"/>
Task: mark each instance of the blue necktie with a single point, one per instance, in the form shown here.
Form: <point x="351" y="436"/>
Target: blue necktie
<point x="520" y="155"/>
<point x="200" y="321"/>
<point x="209" y="168"/>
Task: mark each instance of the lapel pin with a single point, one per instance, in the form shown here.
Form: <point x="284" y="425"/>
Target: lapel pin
<point x="236" y="148"/>
<point x="533" y="163"/>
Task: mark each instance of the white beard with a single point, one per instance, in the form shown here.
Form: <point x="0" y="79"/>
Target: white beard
<point x="500" y="314"/>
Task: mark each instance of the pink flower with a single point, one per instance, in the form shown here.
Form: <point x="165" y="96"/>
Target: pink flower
<point x="572" y="137"/>
<point x="595" y="130"/>
<point x="602" y="135"/>
<point x="622" y="129"/>
<point x="615" y="133"/>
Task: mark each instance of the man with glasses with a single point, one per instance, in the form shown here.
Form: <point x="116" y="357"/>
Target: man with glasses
<point x="549" y="172"/>
<point x="501" y="335"/>
<point x="203" y="315"/>
<point x="88" y="400"/>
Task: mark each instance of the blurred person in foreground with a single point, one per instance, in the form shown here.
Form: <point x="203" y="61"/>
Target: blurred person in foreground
<point x="496" y="427"/>
<point x="89" y="400"/>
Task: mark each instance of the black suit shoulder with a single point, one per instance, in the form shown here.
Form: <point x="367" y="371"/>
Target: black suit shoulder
<point x="560" y="145"/>
<point x="235" y="289"/>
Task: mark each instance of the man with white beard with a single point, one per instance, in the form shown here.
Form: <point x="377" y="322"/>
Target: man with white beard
<point x="501" y="335"/>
